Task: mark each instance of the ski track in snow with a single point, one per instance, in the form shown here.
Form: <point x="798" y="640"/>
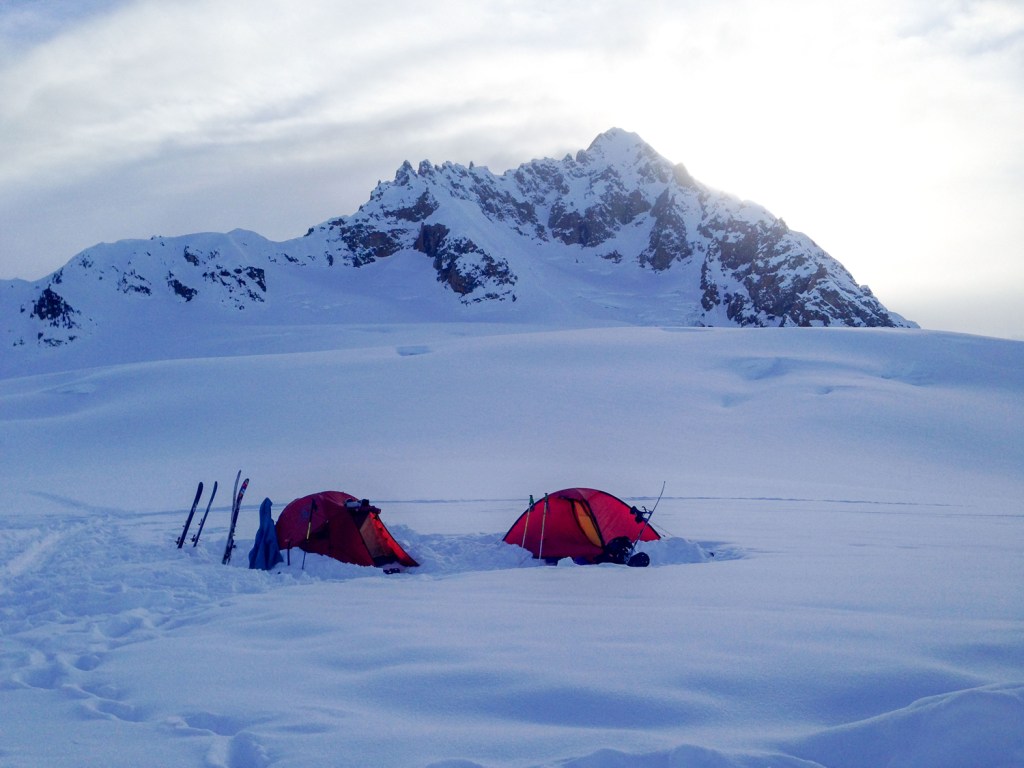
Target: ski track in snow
<point x="40" y="543"/>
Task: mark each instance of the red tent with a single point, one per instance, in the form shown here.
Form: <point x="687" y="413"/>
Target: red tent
<point x="579" y="523"/>
<point x="341" y="526"/>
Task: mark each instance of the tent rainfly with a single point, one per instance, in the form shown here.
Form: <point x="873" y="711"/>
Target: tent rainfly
<point x="587" y="525"/>
<point x="341" y="526"/>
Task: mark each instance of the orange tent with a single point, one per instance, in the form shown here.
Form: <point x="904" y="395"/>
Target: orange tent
<point x="581" y="523"/>
<point x="341" y="526"/>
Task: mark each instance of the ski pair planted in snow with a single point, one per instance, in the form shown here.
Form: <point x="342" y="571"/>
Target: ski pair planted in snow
<point x="191" y="514"/>
<point x="235" y="506"/>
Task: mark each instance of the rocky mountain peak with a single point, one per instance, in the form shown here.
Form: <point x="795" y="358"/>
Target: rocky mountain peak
<point x="615" y="234"/>
<point x="619" y="148"/>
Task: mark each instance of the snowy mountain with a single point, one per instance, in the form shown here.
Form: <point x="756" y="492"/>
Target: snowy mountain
<point x="614" y="235"/>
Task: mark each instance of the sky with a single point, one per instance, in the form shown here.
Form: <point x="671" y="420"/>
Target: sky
<point x="889" y="131"/>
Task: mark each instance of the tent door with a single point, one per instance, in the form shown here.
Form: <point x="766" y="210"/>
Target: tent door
<point x="379" y="551"/>
<point x="585" y="520"/>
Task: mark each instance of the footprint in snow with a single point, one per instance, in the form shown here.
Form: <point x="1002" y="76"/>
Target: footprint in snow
<point x="240" y="751"/>
<point x="412" y="349"/>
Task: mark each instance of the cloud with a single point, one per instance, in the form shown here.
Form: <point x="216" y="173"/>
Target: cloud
<point x="154" y="77"/>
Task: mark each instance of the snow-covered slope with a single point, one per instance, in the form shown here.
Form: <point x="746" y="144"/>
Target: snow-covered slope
<point x="614" y="235"/>
<point x="839" y="586"/>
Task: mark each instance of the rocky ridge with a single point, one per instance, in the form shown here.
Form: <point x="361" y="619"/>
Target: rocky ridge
<point x="614" y="234"/>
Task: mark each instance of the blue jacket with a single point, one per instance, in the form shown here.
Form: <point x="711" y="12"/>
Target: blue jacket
<point x="265" y="552"/>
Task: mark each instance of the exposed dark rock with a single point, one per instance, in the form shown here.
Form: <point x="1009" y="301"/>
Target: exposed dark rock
<point x="420" y="210"/>
<point x="668" y="241"/>
<point x="51" y="308"/>
<point x="367" y="244"/>
<point x="132" y="282"/>
<point x="463" y="266"/>
<point x="180" y="289"/>
<point x="430" y="239"/>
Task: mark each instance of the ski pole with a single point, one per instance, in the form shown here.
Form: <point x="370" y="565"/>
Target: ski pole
<point x="647" y="518"/>
<point x="309" y="528"/>
<point x="526" y="525"/>
<point x="543" y="521"/>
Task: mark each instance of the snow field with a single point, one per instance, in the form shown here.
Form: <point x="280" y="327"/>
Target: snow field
<point x="839" y="585"/>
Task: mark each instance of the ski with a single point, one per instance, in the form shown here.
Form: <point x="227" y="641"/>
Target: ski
<point x="235" y="492"/>
<point x="234" y="519"/>
<point x="202" y="521"/>
<point x="633" y="558"/>
<point x="188" y="520"/>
